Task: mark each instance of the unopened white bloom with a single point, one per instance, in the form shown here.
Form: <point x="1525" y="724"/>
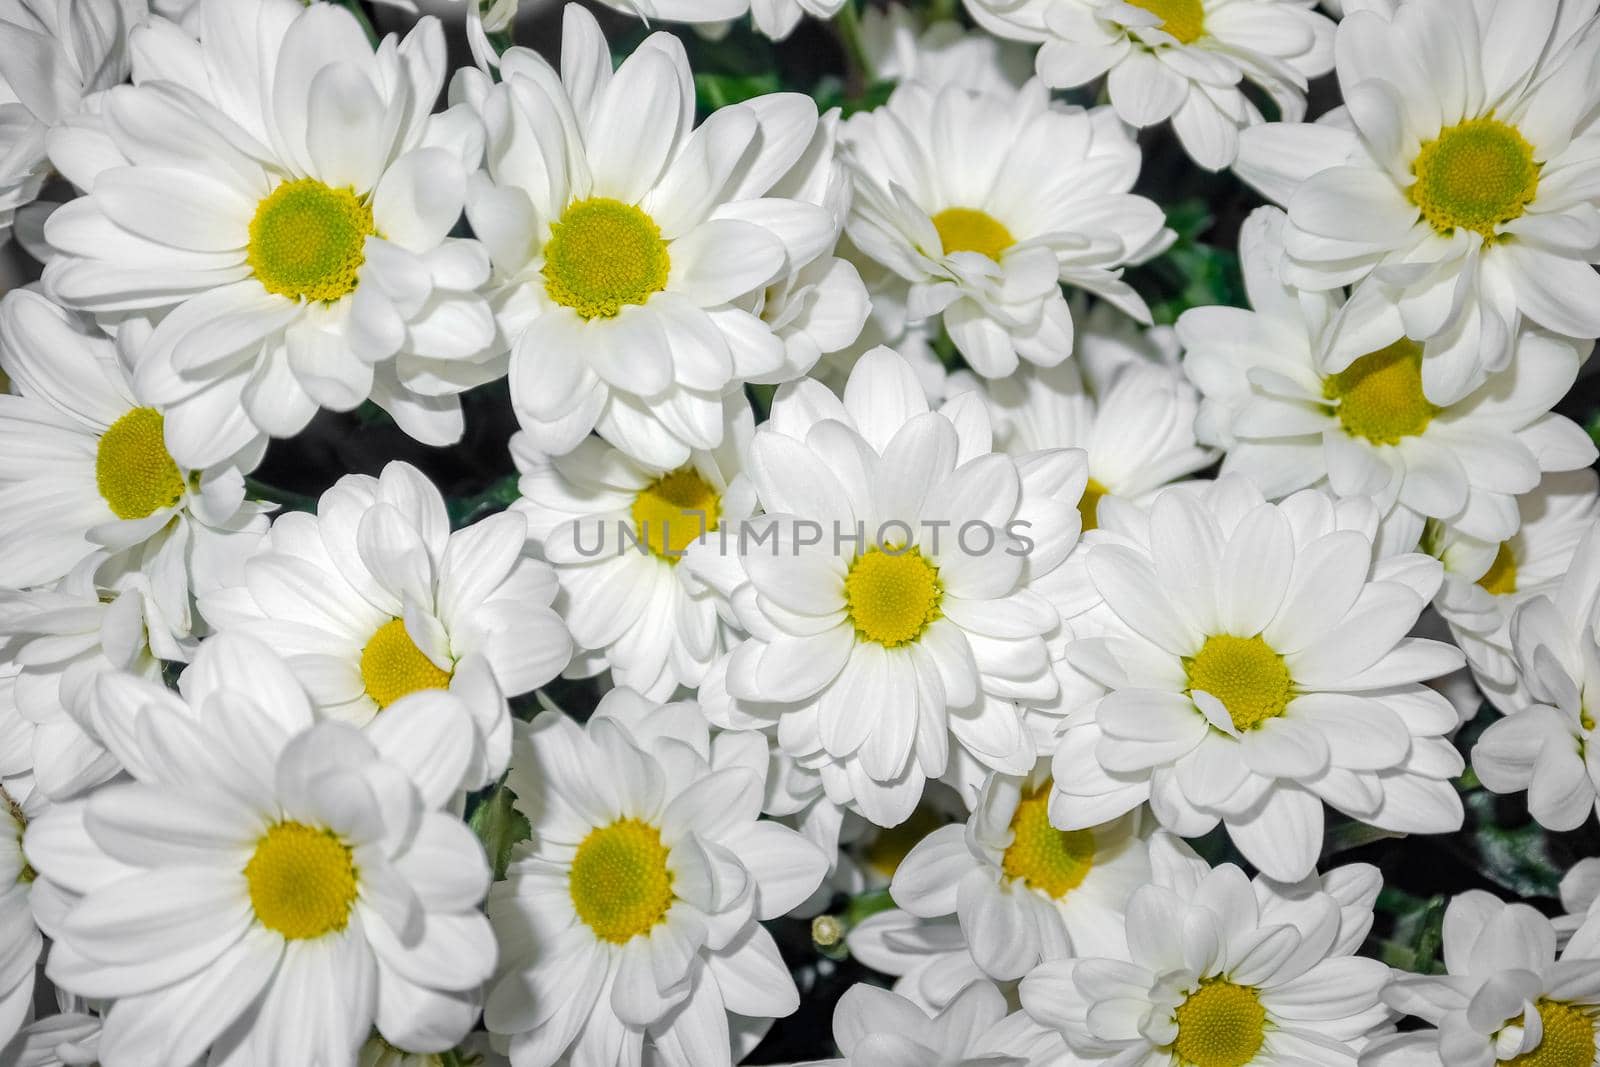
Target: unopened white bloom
<point x="876" y="1028"/>
<point x="901" y="47"/>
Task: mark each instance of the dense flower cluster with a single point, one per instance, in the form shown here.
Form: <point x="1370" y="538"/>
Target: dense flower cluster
<point x="880" y="553"/>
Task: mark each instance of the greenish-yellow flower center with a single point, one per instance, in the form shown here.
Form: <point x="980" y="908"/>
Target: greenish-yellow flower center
<point x="963" y="229"/>
<point x="674" y="511"/>
<point x="132" y="468"/>
<point x="1246" y="674"/>
<point x="620" y="884"/>
<point x="1476" y="175"/>
<point x="1089" y="505"/>
<point x="1379" y="397"/>
<point x="302" y="881"/>
<point x="1220" y="1025"/>
<point x="602" y="255"/>
<point x="392" y="666"/>
<point x="1501" y="577"/>
<point x="1184" y="19"/>
<point x="892" y="595"/>
<point x="1568" y="1041"/>
<point x="1054" y="862"/>
<point x="308" y="240"/>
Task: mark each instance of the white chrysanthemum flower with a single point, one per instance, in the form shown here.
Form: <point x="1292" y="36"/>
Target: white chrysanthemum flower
<point x="929" y="958"/>
<point x="632" y="915"/>
<point x="887" y="590"/>
<point x="317" y="886"/>
<point x="58" y="55"/>
<point x="615" y="532"/>
<point x="632" y="250"/>
<point x="1258" y="665"/>
<point x="20" y="942"/>
<point x="374" y="598"/>
<point x="1137" y="432"/>
<point x="1191" y="61"/>
<point x="1456" y="184"/>
<point x="90" y="477"/>
<point x="1292" y="414"/>
<point x="1580" y="898"/>
<point x="1222" y="971"/>
<point x="775" y="19"/>
<point x="900" y="46"/>
<point x="68" y="1039"/>
<point x="987" y="202"/>
<point x="1023" y="891"/>
<point x="1485" y="581"/>
<point x="284" y="195"/>
<point x="1505" y="997"/>
<point x="59" y="641"/>
<point x="1549" y="746"/>
<point x="876" y="1028"/>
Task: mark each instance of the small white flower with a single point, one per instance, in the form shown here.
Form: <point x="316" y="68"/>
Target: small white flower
<point x="876" y="1028"/>
<point x="929" y="958"/>
<point x="90" y="477"/>
<point x="20" y="942"/>
<point x="902" y="46"/>
<point x="1190" y="61"/>
<point x="1580" y="890"/>
<point x="317" y="887"/>
<point x="1455" y="185"/>
<point x="374" y="598"/>
<point x="1549" y="746"/>
<point x="1258" y="664"/>
<point x="1505" y="996"/>
<point x="1293" y="414"/>
<point x="1222" y="971"/>
<point x="987" y="202"/>
<point x="1485" y="581"/>
<point x="773" y="18"/>
<point x="633" y="914"/>
<point x="283" y="197"/>
<point x="69" y="1039"/>
<point x="632" y="251"/>
<point x="1023" y="891"/>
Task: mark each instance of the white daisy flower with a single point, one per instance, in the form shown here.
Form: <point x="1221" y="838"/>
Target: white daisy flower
<point x="930" y="959"/>
<point x="374" y="598"/>
<point x="892" y="573"/>
<point x="1291" y="416"/>
<point x="773" y="18"/>
<point x="1455" y="186"/>
<point x="20" y="942"/>
<point x="1505" y="997"/>
<point x="632" y="914"/>
<point x="615" y="532"/>
<point x="1222" y="971"/>
<point x="59" y="641"/>
<point x="284" y="196"/>
<point x="69" y="1039"/>
<point x="902" y="46"/>
<point x="90" y="475"/>
<point x="1549" y="746"/>
<point x="987" y="202"/>
<point x="1023" y="891"/>
<point x="876" y="1028"/>
<point x="1580" y="898"/>
<point x="632" y="250"/>
<point x="1258" y="665"/>
<point x="1484" y="581"/>
<point x="318" y="887"/>
<point x="1189" y="61"/>
<point x="58" y="55"/>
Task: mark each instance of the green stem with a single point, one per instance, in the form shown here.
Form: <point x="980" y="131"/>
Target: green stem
<point x="257" y="490"/>
<point x="1346" y="836"/>
<point x="848" y="26"/>
<point x="354" y="7"/>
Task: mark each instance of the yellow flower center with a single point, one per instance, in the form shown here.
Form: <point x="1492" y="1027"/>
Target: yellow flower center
<point x="619" y="883"/>
<point x="963" y="229"/>
<point x="890" y="847"/>
<point x="1220" y="1025"/>
<point x="1184" y="19"/>
<point x="603" y="254"/>
<point x="892" y="595"/>
<point x="1501" y="577"/>
<point x="302" y="881"/>
<point x="1250" y="679"/>
<point x="673" y="511"/>
<point x="1569" y="1038"/>
<point x="1380" y="395"/>
<point x="308" y="240"/>
<point x="1052" y="861"/>
<point x="1476" y="175"/>
<point x="1089" y="505"/>
<point x="132" y="468"/>
<point x="392" y="666"/>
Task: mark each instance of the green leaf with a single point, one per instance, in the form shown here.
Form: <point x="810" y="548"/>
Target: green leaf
<point x="500" y="826"/>
<point x="719" y="90"/>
